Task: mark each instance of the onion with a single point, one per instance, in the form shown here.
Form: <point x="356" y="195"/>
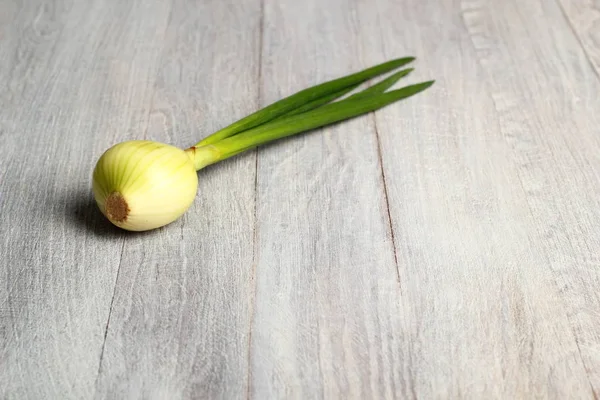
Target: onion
<point x="141" y="185"/>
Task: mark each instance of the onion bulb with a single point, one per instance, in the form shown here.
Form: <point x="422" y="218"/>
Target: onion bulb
<point x="141" y="185"/>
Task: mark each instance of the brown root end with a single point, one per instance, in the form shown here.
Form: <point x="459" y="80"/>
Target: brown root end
<point x="116" y="207"/>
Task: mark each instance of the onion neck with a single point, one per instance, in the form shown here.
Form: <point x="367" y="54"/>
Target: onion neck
<point x="203" y="156"/>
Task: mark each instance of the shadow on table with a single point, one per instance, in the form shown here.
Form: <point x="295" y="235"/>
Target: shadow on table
<point x="81" y="212"/>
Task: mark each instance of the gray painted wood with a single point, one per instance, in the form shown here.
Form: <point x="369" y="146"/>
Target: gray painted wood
<point x="490" y="316"/>
<point x="328" y="302"/>
<point x="444" y="247"/>
<point x="583" y="17"/>
<point x="187" y="290"/>
<point x="550" y="120"/>
<point x="584" y="300"/>
<point x="68" y="93"/>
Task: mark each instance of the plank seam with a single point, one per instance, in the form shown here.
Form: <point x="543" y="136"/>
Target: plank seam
<point x="383" y="177"/>
<point x="387" y="201"/>
<point x="252" y="301"/>
<point x="112" y="301"/>
<point x="168" y="23"/>
<point x="578" y="38"/>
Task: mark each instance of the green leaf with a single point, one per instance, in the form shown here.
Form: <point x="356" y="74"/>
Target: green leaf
<point x="325" y="115"/>
<point x="381" y="86"/>
<point x="301" y="98"/>
<point x="318" y="102"/>
<point x="377" y="88"/>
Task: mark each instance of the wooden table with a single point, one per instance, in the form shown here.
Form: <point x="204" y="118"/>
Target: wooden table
<point x="447" y="246"/>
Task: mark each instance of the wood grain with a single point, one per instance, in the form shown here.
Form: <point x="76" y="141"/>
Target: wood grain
<point x="68" y="95"/>
<point x="547" y="115"/>
<point x="489" y="318"/>
<point x="328" y="315"/>
<point x="583" y="16"/>
<point x="181" y="313"/>
<point x="443" y="247"/>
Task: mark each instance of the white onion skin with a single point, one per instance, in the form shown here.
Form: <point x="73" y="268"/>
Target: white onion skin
<point x="141" y="185"/>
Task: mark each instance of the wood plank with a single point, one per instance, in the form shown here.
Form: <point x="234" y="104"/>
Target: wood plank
<point x="548" y="115"/>
<point x="467" y="166"/>
<point x="180" y="319"/>
<point x="75" y="81"/>
<point x="583" y="16"/>
<point x="328" y="315"/>
<point x="292" y="280"/>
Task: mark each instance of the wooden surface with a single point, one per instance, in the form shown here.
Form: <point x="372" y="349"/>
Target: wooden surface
<point x="445" y="247"/>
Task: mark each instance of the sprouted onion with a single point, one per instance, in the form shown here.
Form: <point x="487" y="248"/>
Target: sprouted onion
<point x="141" y="185"/>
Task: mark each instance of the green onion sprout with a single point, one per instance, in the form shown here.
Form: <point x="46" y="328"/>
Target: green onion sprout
<point x="141" y="185"/>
